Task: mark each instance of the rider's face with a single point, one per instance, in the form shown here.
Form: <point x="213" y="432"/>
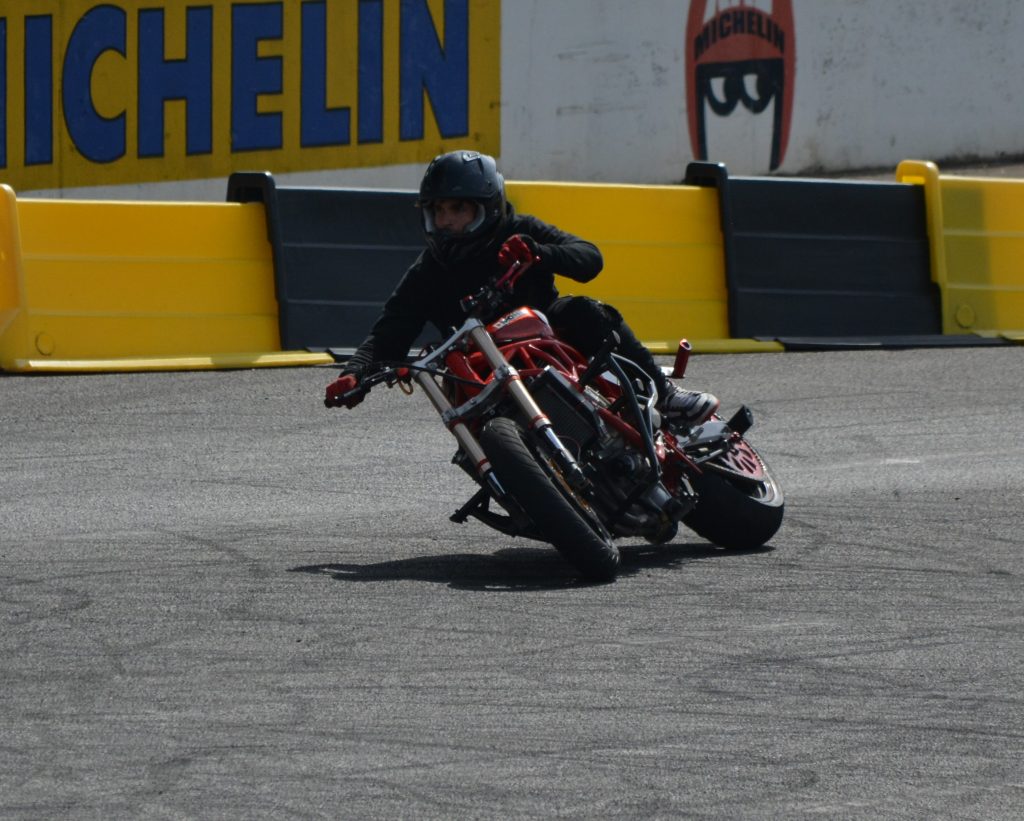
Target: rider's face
<point x="453" y="216"/>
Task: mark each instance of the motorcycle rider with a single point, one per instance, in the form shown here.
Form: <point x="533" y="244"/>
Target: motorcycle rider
<point x="474" y="234"/>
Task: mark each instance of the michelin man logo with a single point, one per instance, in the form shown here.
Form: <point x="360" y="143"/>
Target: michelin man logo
<point x="740" y="66"/>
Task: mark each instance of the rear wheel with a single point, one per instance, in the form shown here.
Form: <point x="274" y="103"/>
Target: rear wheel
<point x="739" y="503"/>
<point x="548" y="501"/>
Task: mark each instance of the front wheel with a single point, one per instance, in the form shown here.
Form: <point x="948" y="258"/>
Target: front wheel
<point x="549" y="506"/>
<point x="739" y="502"/>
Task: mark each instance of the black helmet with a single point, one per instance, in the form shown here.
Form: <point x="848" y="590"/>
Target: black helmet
<point x="463" y="175"/>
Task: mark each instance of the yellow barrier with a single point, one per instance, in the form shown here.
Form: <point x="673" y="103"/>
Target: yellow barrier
<point x="976" y="236"/>
<point x="12" y="274"/>
<point x="135" y="286"/>
<point x="663" y="252"/>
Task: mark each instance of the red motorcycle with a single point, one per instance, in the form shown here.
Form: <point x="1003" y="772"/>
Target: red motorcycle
<point x="572" y="450"/>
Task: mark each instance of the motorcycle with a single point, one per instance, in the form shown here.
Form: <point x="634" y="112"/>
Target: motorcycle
<point x="572" y="450"/>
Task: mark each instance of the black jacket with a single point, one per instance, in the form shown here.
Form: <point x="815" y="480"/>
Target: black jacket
<point x="431" y="293"/>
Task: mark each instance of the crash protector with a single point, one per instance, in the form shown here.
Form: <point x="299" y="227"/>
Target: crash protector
<point x="664" y="267"/>
<point x="338" y="253"/>
<point x="976" y="231"/>
<point x="96" y="285"/>
<point x="823" y="258"/>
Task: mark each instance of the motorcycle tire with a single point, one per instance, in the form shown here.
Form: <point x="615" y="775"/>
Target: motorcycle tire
<point x="734" y="512"/>
<point x="555" y="516"/>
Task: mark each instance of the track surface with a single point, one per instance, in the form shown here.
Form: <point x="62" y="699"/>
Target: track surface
<point x="220" y="599"/>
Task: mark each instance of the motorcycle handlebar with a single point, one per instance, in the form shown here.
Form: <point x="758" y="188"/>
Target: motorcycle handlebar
<point x="389" y="374"/>
<point x="484" y="298"/>
<point x="357" y="391"/>
<point x="488" y="297"/>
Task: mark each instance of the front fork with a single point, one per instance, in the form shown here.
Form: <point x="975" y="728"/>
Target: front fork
<point x="537" y="421"/>
<point x="467" y="442"/>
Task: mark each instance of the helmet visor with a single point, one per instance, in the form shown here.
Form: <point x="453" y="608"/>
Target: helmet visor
<point x="453" y="217"/>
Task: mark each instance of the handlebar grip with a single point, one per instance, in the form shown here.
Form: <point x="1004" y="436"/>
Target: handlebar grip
<point x="342" y="401"/>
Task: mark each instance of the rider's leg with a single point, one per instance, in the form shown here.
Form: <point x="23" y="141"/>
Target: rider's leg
<point x="586" y="323"/>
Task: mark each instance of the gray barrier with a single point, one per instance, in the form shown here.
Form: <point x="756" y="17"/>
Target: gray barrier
<point x="810" y="263"/>
<point x="338" y="254"/>
<point x="822" y="258"/>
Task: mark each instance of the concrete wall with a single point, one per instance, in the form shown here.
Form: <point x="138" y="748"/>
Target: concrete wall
<point x="603" y="90"/>
<point x="597" y="89"/>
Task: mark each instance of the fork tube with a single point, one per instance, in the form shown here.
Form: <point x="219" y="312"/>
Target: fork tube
<point x="537" y="418"/>
<point x="458" y="429"/>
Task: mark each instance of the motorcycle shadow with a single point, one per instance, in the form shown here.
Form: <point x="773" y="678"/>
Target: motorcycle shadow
<point x="516" y="569"/>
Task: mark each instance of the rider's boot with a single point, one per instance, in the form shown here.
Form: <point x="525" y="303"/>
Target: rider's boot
<point x="690" y="408"/>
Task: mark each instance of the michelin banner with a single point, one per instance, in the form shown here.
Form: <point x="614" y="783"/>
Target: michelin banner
<point x="135" y="91"/>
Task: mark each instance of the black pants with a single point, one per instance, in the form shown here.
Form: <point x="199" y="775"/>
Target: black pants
<point x="586" y="323"/>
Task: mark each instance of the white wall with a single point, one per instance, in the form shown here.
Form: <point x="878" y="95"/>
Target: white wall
<point x="883" y="80"/>
<point x="599" y="92"/>
<point x="595" y="90"/>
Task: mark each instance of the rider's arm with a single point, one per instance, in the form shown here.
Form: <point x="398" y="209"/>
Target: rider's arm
<point x="561" y="253"/>
<point x="400" y="322"/>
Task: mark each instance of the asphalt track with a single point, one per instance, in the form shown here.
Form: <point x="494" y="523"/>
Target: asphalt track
<point x="222" y="600"/>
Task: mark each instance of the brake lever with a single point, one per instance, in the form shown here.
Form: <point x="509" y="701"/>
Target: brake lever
<point x="397" y="376"/>
<point x="503" y="284"/>
<point x="507" y="281"/>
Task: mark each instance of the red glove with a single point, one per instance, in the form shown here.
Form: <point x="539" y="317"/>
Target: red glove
<point x="336" y="391"/>
<point x="519" y="248"/>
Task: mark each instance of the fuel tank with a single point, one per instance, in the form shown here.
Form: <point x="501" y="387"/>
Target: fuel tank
<point x="522" y="323"/>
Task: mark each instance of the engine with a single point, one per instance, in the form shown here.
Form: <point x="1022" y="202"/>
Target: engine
<point x="633" y="501"/>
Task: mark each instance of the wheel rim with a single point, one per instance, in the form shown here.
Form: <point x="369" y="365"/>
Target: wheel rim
<point x="742" y="461"/>
<point x="745" y="470"/>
